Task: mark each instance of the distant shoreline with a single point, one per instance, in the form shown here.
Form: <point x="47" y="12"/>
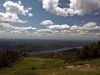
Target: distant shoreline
<point x="51" y="51"/>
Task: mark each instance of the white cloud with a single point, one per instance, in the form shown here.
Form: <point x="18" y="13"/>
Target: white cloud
<point x="29" y="8"/>
<point x="47" y="22"/>
<point x="59" y="27"/>
<point x="53" y="31"/>
<point x="14" y="7"/>
<point x="90" y="27"/>
<point x="9" y="28"/>
<point x="52" y="6"/>
<point x="5" y="27"/>
<point x="9" y="17"/>
<point x="24" y="29"/>
<point x="74" y="27"/>
<point x="44" y="31"/>
<point x="85" y="6"/>
<point x="79" y="7"/>
<point x="30" y="14"/>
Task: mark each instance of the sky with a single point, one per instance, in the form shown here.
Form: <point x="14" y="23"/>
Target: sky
<point x="50" y="19"/>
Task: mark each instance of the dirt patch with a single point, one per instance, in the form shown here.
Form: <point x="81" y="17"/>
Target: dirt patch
<point x="85" y="67"/>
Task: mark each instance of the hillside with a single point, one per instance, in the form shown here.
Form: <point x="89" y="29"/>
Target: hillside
<point x="38" y="66"/>
<point x="86" y="52"/>
<point x="81" y="61"/>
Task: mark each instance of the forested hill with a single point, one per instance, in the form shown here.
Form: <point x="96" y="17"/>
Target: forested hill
<point x="86" y="52"/>
<point x="89" y="51"/>
<point x="40" y="45"/>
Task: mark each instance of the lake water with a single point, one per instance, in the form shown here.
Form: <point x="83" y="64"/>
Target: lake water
<point x="50" y="51"/>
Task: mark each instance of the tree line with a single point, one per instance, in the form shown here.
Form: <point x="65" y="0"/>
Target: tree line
<point x="88" y="52"/>
<point x="85" y="53"/>
<point x="8" y="57"/>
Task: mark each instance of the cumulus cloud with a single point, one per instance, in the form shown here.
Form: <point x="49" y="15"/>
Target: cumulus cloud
<point x="43" y="31"/>
<point x="30" y="14"/>
<point x="47" y="22"/>
<point x="25" y="29"/>
<point x="9" y="28"/>
<point x="59" y="27"/>
<point x="64" y="31"/>
<point x="74" y="27"/>
<point x="79" y="7"/>
<point x="5" y="26"/>
<point x="14" y="7"/>
<point x="9" y="17"/>
<point x="90" y="27"/>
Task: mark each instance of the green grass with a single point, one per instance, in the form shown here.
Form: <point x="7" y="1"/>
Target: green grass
<point x="91" y="62"/>
<point x="37" y="66"/>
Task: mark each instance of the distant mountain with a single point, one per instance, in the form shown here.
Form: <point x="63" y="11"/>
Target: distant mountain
<point x="36" y="44"/>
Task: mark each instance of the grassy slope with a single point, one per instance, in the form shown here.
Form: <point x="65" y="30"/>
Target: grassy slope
<point x="37" y="66"/>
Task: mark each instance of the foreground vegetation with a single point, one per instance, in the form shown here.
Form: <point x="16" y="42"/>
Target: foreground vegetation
<point x="38" y="66"/>
<point x="87" y="52"/>
<point x="83" y="61"/>
<point x="8" y="57"/>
